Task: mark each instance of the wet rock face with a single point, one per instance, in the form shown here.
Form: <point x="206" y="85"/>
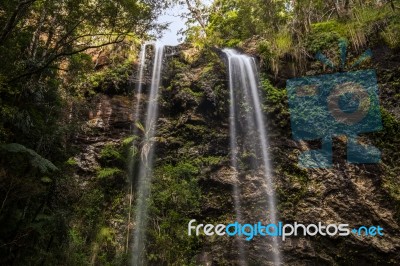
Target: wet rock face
<point x="349" y="194"/>
<point x="100" y="209"/>
<point x="107" y="120"/>
<point x="111" y="112"/>
<point x="193" y="127"/>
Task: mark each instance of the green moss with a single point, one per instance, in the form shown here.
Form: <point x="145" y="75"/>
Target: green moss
<point x="105" y="234"/>
<point x="196" y="130"/>
<point x="110" y="79"/>
<point x="291" y="195"/>
<point x="329" y="26"/>
<point x="208" y="69"/>
<point x="388" y="141"/>
<point x="197" y="95"/>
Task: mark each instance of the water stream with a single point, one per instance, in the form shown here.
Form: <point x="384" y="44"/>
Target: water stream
<point x="247" y="125"/>
<point x="145" y="170"/>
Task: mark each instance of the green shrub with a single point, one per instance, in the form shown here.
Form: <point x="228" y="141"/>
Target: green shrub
<point x="129" y="140"/>
<point x="175" y="200"/>
<point x="76" y="249"/>
<point x="208" y="161"/>
<point x="108" y="172"/>
<point x="391" y="35"/>
<point x="71" y="161"/>
<point x="111" y="154"/>
<point x="275" y="103"/>
<point x="17" y="155"/>
<point x="324" y="35"/>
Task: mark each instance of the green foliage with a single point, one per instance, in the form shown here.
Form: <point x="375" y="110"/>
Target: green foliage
<point x="26" y="179"/>
<point x="208" y="161"/>
<point x="108" y="172"/>
<point x="46" y="179"/>
<point x="130" y="148"/>
<point x="264" y="49"/>
<point x="390" y="123"/>
<point x="276" y="103"/>
<point x="388" y="138"/>
<point x="230" y="22"/>
<point x="17" y="155"/>
<point x="391" y="35"/>
<point x="388" y="141"/>
<point x="329" y="26"/>
<point x="174" y="202"/>
<point x="55" y="53"/>
<point x="283" y="42"/>
<point x="105" y="234"/>
<point x="325" y="35"/>
<point x="71" y="161"/>
<point x="181" y="170"/>
<point x="76" y="247"/>
<point x="110" y="154"/>
<point x="111" y="79"/>
<point x="297" y="177"/>
<point x="129" y="140"/>
<point x="370" y="15"/>
<point x="91" y="207"/>
<point x="187" y="94"/>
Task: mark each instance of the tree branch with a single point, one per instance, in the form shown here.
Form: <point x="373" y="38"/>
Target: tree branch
<point x="118" y="39"/>
<point x="196" y="14"/>
<point x="12" y="21"/>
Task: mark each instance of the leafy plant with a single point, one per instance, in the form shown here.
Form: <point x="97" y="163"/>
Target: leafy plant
<point x="175" y="200"/>
<point x="16" y="153"/>
<point x="111" y="154"/>
<point x="108" y="172"/>
<point x="391" y="34"/>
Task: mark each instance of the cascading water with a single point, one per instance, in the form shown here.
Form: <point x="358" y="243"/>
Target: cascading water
<point x="131" y="168"/>
<point x="245" y="101"/>
<point x="146" y="156"/>
<point x="234" y="159"/>
<point x="139" y="86"/>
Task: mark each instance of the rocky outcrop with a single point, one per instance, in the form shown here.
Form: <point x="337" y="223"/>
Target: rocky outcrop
<point x="100" y="181"/>
<point x="193" y="142"/>
<point x="350" y="194"/>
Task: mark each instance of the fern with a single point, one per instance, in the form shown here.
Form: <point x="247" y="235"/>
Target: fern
<point x="140" y="126"/>
<point x="34" y="158"/>
<point x="108" y="172"/>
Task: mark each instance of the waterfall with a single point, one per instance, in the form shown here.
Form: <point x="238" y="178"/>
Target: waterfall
<point x="145" y="170"/>
<point x="136" y="116"/>
<point x="234" y="159"/>
<point x="139" y="84"/>
<point x="245" y="102"/>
